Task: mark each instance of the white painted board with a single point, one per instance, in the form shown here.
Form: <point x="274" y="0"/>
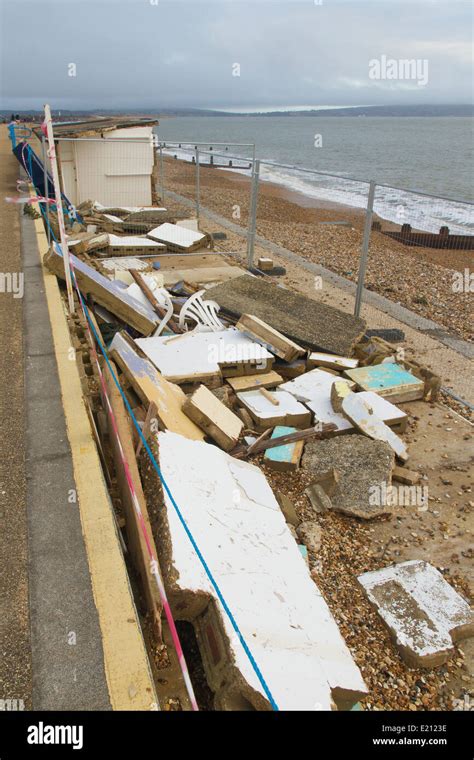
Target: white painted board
<point x="262" y="407"/>
<point x="175" y="235"/>
<point x="235" y="519"/>
<point x="201" y="352"/>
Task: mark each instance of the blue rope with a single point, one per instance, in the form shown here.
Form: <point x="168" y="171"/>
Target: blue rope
<point x="178" y="511"/>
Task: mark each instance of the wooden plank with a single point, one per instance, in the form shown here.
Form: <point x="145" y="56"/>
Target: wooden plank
<point x="252" y="382"/>
<point x="105" y="292"/>
<point x="389" y="380"/>
<point x="150" y="386"/>
<point x="318" y="433"/>
<point x="263" y="333"/>
<point x="286" y="457"/>
<point x="320" y="359"/>
<point x="136" y="542"/>
<point x="201" y="275"/>
<point x="212" y="416"/>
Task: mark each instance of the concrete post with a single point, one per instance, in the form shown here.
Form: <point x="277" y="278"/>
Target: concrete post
<point x="365" y="249"/>
<point x="253" y="213"/>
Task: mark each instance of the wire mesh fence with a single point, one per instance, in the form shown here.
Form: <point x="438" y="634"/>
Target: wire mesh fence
<point x="412" y="248"/>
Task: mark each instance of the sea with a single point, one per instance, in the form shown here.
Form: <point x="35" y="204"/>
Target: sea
<point x="423" y="165"/>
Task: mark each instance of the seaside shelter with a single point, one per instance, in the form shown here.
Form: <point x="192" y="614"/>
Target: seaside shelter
<point x="109" y="160"/>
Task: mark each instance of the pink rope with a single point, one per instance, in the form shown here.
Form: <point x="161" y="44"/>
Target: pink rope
<point x="154" y="567"/>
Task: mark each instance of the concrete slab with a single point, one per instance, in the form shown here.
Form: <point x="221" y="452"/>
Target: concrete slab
<point x="236" y="521"/>
<point x="363" y="465"/>
<point x="424" y="614"/>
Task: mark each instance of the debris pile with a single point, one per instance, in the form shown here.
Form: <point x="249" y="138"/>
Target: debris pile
<point x="230" y="377"/>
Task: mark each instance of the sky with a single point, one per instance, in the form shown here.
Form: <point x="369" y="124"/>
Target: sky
<point x="231" y="54"/>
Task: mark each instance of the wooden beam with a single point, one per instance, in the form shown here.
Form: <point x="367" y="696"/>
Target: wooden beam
<point x="277" y="343"/>
<point x="150" y="385"/>
<point x="105" y="292"/>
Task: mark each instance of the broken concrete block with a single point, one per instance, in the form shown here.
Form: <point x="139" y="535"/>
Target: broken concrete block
<point x="424" y="614"/>
<point x="288" y="509"/>
<point x="235" y="520"/>
<point x="210" y="414"/>
<point x="328" y="480"/>
<point x="318" y="498"/>
<point x="311" y="535"/>
<point x="364" y="466"/>
<point x="312" y="324"/>
<point x="287" y="457"/>
<point x="265" y="413"/>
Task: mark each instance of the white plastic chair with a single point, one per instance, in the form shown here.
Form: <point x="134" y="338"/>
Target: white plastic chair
<point x="204" y="313"/>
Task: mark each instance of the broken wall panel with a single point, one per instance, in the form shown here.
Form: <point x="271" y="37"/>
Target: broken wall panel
<point x="236" y="521"/>
<point x="106" y="292"/>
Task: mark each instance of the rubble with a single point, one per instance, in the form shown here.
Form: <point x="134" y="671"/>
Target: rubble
<point x="287" y="382"/>
<point x="424" y="614"/>
<point x="306" y="663"/>
<point x="362" y="464"/>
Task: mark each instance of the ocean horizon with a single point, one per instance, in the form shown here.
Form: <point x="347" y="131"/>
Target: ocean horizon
<point x="426" y="155"/>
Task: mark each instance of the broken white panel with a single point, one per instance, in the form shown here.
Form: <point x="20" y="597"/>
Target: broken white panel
<point x="423" y="612"/>
<point x="323" y="410"/>
<point x="112" y="218"/>
<point x="260" y="405"/>
<point x="333" y="361"/>
<point x="200" y="353"/>
<point x="126" y="209"/>
<point x="124" y="263"/>
<point x="310" y="385"/>
<point x="130" y="241"/>
<point x="235" y="519"/>
<point x="155" y="283"/>
<point x="172" y="234"/>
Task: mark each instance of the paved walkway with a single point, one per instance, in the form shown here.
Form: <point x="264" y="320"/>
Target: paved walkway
<point x="15" y="662"/>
